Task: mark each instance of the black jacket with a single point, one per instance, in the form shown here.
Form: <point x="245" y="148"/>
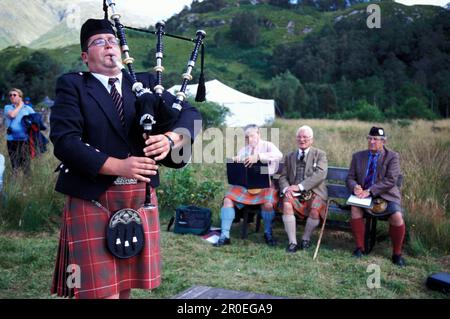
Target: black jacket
<point x="86" y="130"/>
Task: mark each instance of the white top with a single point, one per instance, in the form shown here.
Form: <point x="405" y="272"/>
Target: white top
<point x="267" y="153"/>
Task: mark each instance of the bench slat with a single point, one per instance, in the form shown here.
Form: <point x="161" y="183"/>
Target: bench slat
<point x="337" y="191"/>
<point x="337" y="173"/>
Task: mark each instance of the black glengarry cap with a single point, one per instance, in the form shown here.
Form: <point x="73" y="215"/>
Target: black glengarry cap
<point x="92" y="27"/>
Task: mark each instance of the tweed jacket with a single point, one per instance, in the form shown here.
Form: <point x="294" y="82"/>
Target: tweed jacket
<point x="316" y="170"/>
<point x="388" y="171"/>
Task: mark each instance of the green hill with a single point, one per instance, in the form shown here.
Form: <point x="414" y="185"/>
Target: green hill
<point x="314" y="63"/>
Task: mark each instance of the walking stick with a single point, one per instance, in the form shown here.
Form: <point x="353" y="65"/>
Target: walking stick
<point x="321" y="231"/>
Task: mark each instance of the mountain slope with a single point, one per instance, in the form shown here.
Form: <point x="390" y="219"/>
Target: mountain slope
<point x="330" y="59"/>
<point x="52" y="24"/>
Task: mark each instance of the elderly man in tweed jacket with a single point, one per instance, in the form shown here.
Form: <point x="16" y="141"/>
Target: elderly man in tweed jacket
<point x="304" y="170"/>
<point x="374" y="172"/>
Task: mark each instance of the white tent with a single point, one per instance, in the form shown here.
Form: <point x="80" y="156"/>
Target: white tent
<point x="244" y="109"/>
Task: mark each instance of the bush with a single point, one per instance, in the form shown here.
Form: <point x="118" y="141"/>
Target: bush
<point x="414" y="108"/>
<point x="364" y="111"/>
<point x="213" y="114"/>
<point x="182" y="187"/>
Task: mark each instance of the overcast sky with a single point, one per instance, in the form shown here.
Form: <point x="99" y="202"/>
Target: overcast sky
<point x="157" y="9"/>
<point x="431" y="2"/>
<point x="164" y="9"/>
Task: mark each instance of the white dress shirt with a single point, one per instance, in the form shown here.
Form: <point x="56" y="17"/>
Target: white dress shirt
<point x="104" y="80"/>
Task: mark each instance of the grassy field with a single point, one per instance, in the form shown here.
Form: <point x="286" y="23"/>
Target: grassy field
<point x="27" y="258"/>
<point x="26" y="265"/>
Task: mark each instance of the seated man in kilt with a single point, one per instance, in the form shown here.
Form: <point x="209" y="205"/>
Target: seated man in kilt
<point x="106" y="164"/>
<point x="255" y="150"/>
<point x="302" y="183"/>
<point x="374" y="172"/>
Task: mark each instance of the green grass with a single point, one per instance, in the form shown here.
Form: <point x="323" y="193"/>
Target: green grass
<point x="27" y="258"/>
<point x="26" y="266"/>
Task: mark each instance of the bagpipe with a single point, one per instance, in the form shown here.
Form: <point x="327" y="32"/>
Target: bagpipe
<point x="154" y="116"/>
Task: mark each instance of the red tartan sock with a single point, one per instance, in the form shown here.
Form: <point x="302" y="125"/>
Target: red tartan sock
<point x="358" y="229"/>
<point x="397" y="234"/>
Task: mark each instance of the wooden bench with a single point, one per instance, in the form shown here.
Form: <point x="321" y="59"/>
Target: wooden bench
<point x="339" y="213"/>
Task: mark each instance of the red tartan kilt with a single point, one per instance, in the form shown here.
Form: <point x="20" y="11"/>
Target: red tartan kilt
<point x="82" y="242"/>
<point x="302" y="208"/>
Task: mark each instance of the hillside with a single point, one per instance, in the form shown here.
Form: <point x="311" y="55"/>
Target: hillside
<point x="51" y="24"/>
<point x="314" y="63"/>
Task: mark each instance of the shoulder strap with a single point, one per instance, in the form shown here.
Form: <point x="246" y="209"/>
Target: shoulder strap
<point x="172" y="219"/>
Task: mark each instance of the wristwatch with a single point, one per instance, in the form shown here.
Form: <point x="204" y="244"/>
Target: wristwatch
<point x="171" y="142"/>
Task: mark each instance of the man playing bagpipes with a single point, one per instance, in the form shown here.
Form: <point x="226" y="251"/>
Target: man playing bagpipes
<point x="302" y="182"/>
<point x="106" y="163"/>
<point x="255" y="150"/>
<point x="374" y="173"/>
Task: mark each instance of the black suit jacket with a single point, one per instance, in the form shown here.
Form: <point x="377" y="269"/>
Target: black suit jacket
<point x="86" y="130"/>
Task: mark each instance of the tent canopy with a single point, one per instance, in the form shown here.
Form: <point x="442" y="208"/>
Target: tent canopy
<point x="244" y="109"/>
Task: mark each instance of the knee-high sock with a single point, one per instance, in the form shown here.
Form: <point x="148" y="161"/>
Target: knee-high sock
<point x="397" y="234"/>
<point x="311" y="224"/>
<point x="267" y="216"/>
<point x="358" y="229"/>
<point x="290" y="228"/>
<point x="227" y="215"/>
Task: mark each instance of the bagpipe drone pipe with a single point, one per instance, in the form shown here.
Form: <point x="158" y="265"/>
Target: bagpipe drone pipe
<point x="155" y="116"/>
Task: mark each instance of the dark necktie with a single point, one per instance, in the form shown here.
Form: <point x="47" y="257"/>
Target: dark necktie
<point x="117" y="99"/>
<point x="368" y="181"/>
<point x="302" y="157"/>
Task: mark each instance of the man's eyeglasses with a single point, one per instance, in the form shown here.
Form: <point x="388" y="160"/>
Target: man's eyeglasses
<point x="12" y="94"/>
<point x="304" y="137"/>
<point x="100" y="42"/>
<point x="374" y="138"/>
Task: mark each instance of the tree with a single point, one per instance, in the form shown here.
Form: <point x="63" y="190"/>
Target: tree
<point x="415" y="108"/>
<point x="207" y="6"/>
<point x="285" y="92"/>
<point x="280" y="3"/>
<point x="245" y="30"/>
<point x="213" y="114"/>
<point x="36" y="75"/>
<point x="327" y="99"/>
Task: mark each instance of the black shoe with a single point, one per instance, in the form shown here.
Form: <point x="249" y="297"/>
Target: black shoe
<point x="305" y="244"/>
<point x="222" y="242"/>
<point x="358" y="253"/>
<point x="270" y="240"/>
<point x="398" y="260"/>
<point x="291" y="248"/>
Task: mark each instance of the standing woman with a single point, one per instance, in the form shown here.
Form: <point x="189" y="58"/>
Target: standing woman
<point x="16" y="136"/>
